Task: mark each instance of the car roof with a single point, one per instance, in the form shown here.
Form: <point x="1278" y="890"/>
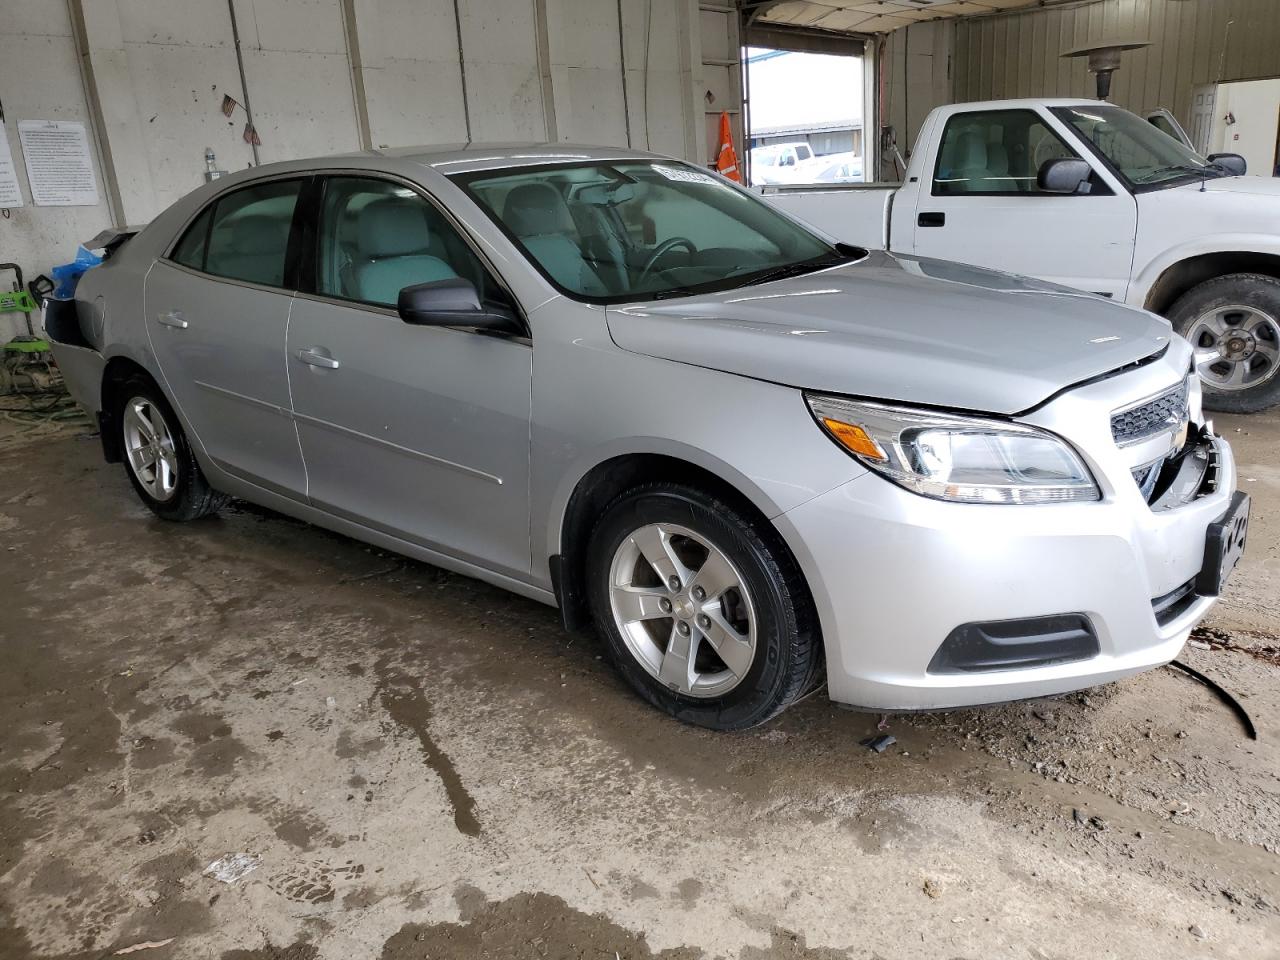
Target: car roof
<point x="1026" y="102"/>
<point x="452" y="158"/>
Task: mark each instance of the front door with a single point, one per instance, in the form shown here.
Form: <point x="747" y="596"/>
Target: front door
<point x="419" y="432"/>
<point x="216" y="312"/>
<point x="979" y="203"/>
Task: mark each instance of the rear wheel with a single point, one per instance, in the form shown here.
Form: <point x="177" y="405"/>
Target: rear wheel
<point x="1234" y="322"/>
<point x="158" y="457"/>
<point x="705" y="614"/>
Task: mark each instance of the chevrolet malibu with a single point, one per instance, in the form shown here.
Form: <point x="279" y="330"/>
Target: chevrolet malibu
<point x="756" y="459"/>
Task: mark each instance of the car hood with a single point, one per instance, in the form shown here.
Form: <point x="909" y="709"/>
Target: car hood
<point x="898" y="328"/>
<point x="1249" y="186"/>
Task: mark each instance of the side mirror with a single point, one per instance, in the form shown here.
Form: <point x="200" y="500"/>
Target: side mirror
<point x="1234" y="164"/>
<point x="452" y="303"/>
<point x="1063" y="175"/>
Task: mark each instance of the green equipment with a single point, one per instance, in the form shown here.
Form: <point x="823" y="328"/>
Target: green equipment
<point x="26" y="361"/>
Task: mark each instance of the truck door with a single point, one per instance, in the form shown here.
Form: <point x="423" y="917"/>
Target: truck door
<point x="978" y="202"/>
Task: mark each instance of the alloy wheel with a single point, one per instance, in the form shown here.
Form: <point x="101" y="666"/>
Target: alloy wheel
<point x="683" y="610"/>
<point x="1245" y="343"/>
<point x="149" y="445"/>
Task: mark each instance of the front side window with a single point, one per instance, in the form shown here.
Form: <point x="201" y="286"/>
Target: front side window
<point x="995" y="151"/>
<point x="1139" y="152"/>
<point x="377" y="237"/>
<point x="243" y="235"/>
<point x="614" y="231"/>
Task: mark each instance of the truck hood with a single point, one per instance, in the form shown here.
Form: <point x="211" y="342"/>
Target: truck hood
<point x="1249" y="186"/>
<point x="897" y="328"/>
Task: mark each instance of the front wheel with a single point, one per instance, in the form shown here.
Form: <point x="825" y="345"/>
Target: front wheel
<point x="1233" y="322"/>
<point x="704" y="613"/>
<point x="158" y="457"/>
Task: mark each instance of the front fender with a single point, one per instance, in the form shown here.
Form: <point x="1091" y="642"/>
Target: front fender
<point x="1149" y="274"/>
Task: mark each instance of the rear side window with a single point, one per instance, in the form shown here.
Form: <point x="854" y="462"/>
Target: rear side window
<point x="995" y="151"/>
<point x="243" y="235"/>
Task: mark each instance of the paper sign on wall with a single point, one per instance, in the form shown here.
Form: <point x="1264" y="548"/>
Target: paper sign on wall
<point x="59" y="166"/>
<point x="10" y="192"/>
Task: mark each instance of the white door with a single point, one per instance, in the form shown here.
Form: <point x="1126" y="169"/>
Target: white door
<point x="978" y="202"/>
<point x="1202" y="106"/>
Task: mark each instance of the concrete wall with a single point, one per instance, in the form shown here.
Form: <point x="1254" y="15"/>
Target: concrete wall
<point x="40" y="80"/>
<point x="327" y="76"/>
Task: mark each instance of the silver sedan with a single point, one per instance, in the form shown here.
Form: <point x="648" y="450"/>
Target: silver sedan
<point x="755" y="459"/>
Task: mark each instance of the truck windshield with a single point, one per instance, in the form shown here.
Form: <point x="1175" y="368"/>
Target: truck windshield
<point x="627" y="230"/>
<point x="1143" y="155"/>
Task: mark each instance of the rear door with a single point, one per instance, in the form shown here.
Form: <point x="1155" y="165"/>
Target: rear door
<point x="216" y="312"/>
<point x="419" y="432"/>
<point x="978" y="202"/>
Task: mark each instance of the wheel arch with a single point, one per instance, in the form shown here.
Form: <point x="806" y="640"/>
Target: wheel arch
<point x="608" y="478"/>
<point x="119" y="370"/>
<point x="1180" y="277"/>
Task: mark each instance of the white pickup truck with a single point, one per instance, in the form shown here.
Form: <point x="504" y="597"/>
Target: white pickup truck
<point x="1087" y="195"/>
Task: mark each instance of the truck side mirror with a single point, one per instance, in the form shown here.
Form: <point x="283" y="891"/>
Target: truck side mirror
<point x="1234" y="164"/>
<point x="1063" y="175"/>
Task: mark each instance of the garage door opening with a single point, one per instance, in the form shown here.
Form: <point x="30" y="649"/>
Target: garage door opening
<point x="804" y="117"/>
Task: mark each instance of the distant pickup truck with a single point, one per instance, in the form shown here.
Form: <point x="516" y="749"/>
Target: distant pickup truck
<point x="1087" y="195"/>
<point x="776" y="162"/>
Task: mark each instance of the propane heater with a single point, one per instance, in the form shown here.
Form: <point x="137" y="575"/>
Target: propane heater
<point x="1104" y="60"/>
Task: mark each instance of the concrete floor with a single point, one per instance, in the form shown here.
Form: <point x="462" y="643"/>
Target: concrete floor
<point x="424" y="766"/>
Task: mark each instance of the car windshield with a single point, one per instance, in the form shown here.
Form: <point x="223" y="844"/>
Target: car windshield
<point x="626" y="230"/>
<point x="1141" y="153"/>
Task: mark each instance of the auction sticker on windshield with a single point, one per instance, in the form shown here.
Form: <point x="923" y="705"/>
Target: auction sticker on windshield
<point x="682" y="175"/>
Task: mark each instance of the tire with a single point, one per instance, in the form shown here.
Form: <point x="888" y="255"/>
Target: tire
<point x="1239" y="313"/>
<point x="715" y="544"/>
<point x="173" y="486"/>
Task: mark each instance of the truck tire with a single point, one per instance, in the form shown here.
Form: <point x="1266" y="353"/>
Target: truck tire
<point x="726" y="656"/>
<point x="1238" y="315"/>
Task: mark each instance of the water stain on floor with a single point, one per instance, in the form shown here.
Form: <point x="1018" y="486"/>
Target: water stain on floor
<point x="528" y="926"/>
<point x="405" y="703"/>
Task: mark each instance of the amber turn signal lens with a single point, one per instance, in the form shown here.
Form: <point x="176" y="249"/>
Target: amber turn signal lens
<point x="854" y="439"/>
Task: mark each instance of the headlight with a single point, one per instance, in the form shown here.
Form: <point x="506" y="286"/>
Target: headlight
<point x="951" y="457"/>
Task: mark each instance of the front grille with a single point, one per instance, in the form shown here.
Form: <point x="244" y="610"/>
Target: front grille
<point x="1151" y="418"/>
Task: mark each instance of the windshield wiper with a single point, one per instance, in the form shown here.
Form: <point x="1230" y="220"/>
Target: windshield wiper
<point x="677" y="292"/>
<point x="1206" y="170"/>
<point x="797" y="269"/>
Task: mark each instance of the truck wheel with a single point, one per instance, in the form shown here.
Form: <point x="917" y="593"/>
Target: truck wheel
<point x="1238" y="316"/>
<point x="158" y="457"/>
<point x="705" y="614"/>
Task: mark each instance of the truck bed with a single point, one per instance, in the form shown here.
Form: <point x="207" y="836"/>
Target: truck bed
<point x="856" y="213"/>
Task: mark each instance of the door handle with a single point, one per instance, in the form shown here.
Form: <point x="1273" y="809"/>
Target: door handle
<point x="932" y="219"/>
<point x="317" y="359"/>
<point x="173" y="319"/>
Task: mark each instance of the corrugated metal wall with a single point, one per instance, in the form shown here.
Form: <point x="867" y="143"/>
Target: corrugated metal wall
<point x="1193" y="42"/>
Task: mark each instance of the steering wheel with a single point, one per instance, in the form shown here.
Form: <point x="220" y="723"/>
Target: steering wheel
<point x="660" y="251"/>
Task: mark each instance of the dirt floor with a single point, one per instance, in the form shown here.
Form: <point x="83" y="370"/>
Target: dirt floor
<point x="412" y="764"/>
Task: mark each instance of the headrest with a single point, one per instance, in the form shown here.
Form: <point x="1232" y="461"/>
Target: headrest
<point x="536" y="209"/>
<point x="392" y="227"/>
<point x="259" y="233"/>
<point x="997" y="160"/>
<point x="971" y="151"/>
